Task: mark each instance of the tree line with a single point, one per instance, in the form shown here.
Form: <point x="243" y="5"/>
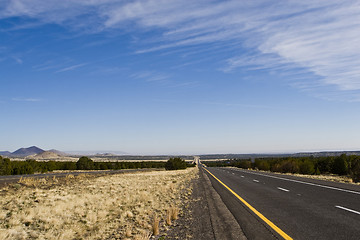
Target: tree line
<point x="30" y="166"/>
<point x="340" y="165"/>
<point x="8" y="167"/>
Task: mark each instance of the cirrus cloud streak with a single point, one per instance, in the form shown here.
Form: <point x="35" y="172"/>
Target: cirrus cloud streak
<point x="321" y="37"/>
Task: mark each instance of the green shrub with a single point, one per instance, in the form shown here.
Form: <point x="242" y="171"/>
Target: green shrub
<point x="175" y="164"/>
<point x="355" y="170"/>
<point x="20" y="168"/>
<point x="262" y="165"/>
<point x="307" y="167"/>
<point x="5" y="166"/>
<point x="245" y="164"/>
<point x="289" y="166"/>
<point x="85" y="163"/>
<point x="340" y="165"/>
<point x="324" y="164"/>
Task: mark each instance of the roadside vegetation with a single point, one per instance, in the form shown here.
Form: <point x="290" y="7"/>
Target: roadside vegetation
<point x="121" y="206"/>
<point x="8" y="167"/>
<point x="175" y="164"/>
<point x="342" y="165"/>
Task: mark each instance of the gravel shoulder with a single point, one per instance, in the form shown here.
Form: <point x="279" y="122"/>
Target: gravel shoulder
<point x="205" y="216"/>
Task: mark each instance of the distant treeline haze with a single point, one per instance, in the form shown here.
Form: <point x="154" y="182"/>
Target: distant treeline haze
<point x="341" y="165"/>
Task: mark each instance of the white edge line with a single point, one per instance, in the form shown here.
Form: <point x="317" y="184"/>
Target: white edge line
<point x="347" y="209"/>
<point x="312" y="184"/>
<point x="283" y="189"/>
<point x="256" y="180"/>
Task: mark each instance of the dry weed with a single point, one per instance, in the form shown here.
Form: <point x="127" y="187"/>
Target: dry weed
<point x="34" y="182"/>
<point x="174" y="213"/>
<point x="171" y="214"/>
<point x="155" y="226"/>
<point x="143" y="236"/>
<point x="325" y="177"/>
<point x="128" y="232"/>
<point x="69" y="176"/>
<point x="92" y="208"/>
<point x="168" y="217"/>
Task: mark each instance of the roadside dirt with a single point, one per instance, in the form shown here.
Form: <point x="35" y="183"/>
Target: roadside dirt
<point x="205" y="216"/>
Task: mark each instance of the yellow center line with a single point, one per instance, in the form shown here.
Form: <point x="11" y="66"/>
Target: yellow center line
<point x="267" y="221"/>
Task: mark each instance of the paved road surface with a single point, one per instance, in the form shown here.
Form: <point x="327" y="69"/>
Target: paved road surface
<point x="302" y="208"/>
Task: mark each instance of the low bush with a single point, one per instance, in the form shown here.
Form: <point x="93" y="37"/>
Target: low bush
<point x="85" y="163"/>
<point x="355" y="171"/>
<point x="307" y="167"/>
<point x="175" y="164"/>
<point x="340" y="165"/>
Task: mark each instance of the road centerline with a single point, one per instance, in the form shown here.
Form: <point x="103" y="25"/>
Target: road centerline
<point x="348" y="209"/>
<point x="256" y="180"/>
<point x="283" y="189"/>
<point x="262" y="217"/>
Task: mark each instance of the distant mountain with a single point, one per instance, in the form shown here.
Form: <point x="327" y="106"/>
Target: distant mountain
<point x="23" y="152"/>
<point x="57" y="152"/>
<point x="105" y="154"/>
<point x="5" y="153"/>
<point x="46" y="155"/>
<point x="96" y="153"/>
<point x="33" y="151"/>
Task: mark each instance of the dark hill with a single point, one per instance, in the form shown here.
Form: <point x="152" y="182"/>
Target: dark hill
<point x="5" y="153"/>
<point x="23" y="152"/>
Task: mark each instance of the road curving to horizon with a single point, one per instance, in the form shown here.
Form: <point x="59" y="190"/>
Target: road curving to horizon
<point x="301" y="208"/>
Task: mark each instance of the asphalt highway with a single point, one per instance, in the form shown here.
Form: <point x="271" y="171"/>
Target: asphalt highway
<point x="299" y="207"/>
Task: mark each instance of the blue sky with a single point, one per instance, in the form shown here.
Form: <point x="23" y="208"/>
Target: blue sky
<point x="180" y="77"/>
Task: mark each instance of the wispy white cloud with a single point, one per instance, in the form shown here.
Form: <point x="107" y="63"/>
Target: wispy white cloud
<point x="70" y="68"/>
<point x="151" y="76"/>
<point x="222" y="104"/>
<point x="47" y="66"/>
<point x="27" y="99"/>
<point x="320" y="37"/>
<point x="254" y="61"/>
<point x="163" y="79"/>
<point x="17" y="60"/>
<point x="108" y="70"/>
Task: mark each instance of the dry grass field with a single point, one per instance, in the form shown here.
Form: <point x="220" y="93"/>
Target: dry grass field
<point x="326" y="177"/>
<point x="122" y="206"/>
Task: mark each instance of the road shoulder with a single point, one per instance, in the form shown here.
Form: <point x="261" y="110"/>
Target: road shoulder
<point x="205" y="217"/>
<point x="224" y="224"/>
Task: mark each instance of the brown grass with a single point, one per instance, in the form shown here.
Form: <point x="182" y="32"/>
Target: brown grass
<point x="174" y="212"/>
<point x="168" y="217"/>
<point x="326" y="177"/>
<point x="119" y="206"/>
<point x="171" y="214"/>
<point x="155" y="226"/>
